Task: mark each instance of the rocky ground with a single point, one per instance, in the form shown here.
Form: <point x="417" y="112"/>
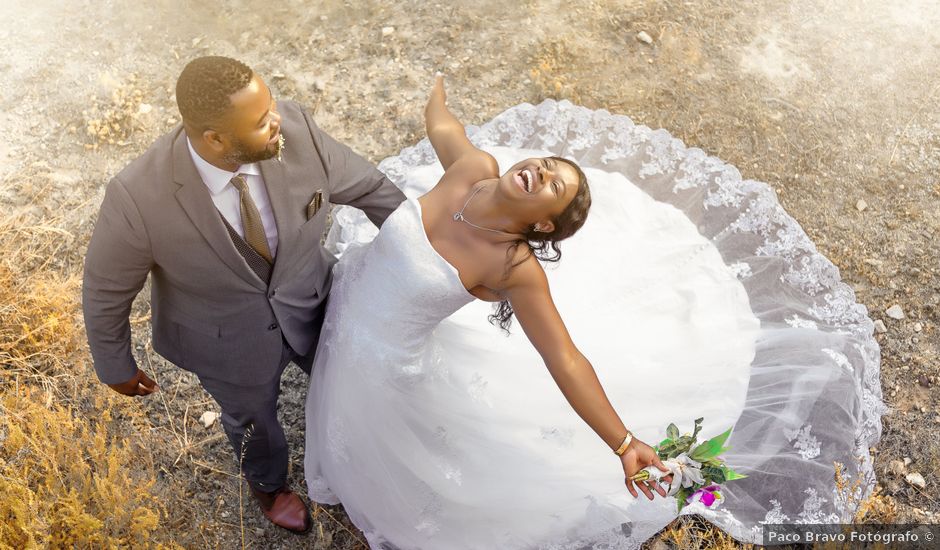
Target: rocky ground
<point x="831" y="102"/>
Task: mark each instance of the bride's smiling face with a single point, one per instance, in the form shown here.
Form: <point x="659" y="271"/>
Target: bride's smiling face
<point x="543" y="187"/>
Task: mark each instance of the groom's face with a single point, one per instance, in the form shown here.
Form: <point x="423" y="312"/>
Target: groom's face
<point x="252" y="126"/>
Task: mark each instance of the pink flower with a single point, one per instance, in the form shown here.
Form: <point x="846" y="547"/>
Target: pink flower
<point x="706" y="495"/>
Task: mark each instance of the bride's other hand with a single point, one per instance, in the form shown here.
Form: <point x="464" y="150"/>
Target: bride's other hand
<point x="639" y="455"/>
<point x="437" y="90"/>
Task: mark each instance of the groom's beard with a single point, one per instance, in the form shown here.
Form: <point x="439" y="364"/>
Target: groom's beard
<point x="240" y="155"/>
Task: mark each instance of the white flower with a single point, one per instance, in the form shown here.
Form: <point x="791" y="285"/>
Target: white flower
<point x="685" y="473"/>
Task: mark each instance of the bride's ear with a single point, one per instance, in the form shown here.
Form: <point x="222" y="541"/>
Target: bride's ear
<point x="544" y="227"/>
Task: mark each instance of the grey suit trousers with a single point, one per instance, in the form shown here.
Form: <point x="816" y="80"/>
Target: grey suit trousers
<point x="249" y="417"/>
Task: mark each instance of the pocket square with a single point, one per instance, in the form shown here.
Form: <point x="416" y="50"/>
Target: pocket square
<point x="314" y="205"/>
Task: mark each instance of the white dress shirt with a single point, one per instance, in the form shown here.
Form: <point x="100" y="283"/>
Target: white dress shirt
<point x="225" y="195"/>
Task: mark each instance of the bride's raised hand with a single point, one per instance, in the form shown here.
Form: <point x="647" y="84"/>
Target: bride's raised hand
<point x="437" y="90"/>
<point x="639" y="455"/>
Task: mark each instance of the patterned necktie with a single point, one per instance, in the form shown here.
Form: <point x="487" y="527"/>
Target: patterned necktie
<point x="251" y="220"/>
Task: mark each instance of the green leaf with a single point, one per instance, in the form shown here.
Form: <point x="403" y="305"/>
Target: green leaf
<point x="698" y="427"/>
<point x="731" y="475"/>
<point x="666" y="441"/>
<point x="681" y="497"/>
<point x="711" y="448"/>
<point x="668" y="451"/>
<point x="713" y="474"/>
<point x="684" y="444"/>
<point x="672" y="431"/>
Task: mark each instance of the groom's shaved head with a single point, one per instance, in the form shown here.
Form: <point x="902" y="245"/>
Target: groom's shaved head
<point x="204" y="87"/>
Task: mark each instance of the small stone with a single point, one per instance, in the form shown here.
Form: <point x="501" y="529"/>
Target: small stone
<point x="225" y="514"/>
<point x="897" y="467"/>
<point x="323" y="18"/>
<point x="895" y="312"/>
<point x="196" y="41"/>
<point x="916" y="480"/>
<point x="907" y="461"/>
<point x="918" y="327"/>
<point x="144" y="108"/>
<point x="880" y="327"/>
<point x="208" y="418"/>
<point x="386" y="31"/>
<point x="923" y="381"/>
<point x="643" y="37"/>
<point x="861" y="205"/>
<point x="259" y="531"/>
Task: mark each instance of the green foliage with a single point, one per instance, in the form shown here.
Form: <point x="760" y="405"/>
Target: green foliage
<point x="713" y="474"/>
<point x="711" y="448"/>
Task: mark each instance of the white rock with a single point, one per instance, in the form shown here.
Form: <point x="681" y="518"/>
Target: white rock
<point x="907" y="461"/>
<point x="880" y="327"/>
<point x="861" y="205"/>
<point x="918" y="327"/>
<point x="208" y="418"/>
<point x="387" y="30"/>
<point x="895" y="312"/>
<point x="643" y="37"/>
<point x="144" y="108"/>
<point x="916" y="480"/>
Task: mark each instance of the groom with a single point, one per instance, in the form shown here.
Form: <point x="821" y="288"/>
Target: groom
<point x="225" y="213"/>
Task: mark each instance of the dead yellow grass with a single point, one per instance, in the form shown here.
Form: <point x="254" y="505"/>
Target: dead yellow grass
<point x="38" y="330"/>
<point x="67" y="481"/>
<point x="71" y="476"/>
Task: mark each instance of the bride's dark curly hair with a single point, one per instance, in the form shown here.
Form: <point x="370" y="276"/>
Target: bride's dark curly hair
<point x="544" y="246"/>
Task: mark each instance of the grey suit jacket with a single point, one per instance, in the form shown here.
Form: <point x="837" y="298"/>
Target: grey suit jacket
<point x="211" y="314"/>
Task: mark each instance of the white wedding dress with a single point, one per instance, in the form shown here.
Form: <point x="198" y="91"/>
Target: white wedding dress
<point x="691" y="292"/>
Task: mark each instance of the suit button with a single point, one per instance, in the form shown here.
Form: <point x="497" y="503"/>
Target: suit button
<point x="273" y="326"/>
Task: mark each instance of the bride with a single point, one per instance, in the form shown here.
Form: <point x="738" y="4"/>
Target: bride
<point x="437" y="430"/>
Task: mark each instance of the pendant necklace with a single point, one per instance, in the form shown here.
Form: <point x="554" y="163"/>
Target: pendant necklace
<point x="458" y="217"/>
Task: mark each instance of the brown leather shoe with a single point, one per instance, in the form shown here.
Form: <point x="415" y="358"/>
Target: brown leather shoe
<point x="285" y="509"/>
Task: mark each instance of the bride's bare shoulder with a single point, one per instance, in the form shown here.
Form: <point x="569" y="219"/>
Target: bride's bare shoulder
<point x="470" y="168"/>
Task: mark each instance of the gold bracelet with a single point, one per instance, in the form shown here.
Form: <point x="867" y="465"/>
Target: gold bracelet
<point x="626" y="443"/>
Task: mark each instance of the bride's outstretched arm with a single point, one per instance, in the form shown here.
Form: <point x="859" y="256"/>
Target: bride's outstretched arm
<point x="447" y="135"/>
<point x="528" y="293"/>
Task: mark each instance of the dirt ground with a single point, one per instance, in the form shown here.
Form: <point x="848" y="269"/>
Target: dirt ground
<point x="831" y="102"/>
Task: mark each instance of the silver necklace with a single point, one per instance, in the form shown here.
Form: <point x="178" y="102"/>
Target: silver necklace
<point x="458" y="217"/>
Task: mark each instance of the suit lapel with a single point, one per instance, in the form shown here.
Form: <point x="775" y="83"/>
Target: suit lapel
<point x="289" y="206"/>
<point x="194" y="197"/>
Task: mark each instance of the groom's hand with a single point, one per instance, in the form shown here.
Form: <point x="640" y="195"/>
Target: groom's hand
<point x="140" y="384"/>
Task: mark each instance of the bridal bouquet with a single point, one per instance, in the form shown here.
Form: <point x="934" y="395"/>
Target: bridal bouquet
<point x="696" y="470"/>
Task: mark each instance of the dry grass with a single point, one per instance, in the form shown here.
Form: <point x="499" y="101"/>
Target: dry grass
<point x="73" y="473"/>
<point x="112" y="121"/>
<point x="70" y="481"/>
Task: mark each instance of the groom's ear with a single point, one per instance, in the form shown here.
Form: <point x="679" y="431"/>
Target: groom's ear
<point x="213" y="139"/>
